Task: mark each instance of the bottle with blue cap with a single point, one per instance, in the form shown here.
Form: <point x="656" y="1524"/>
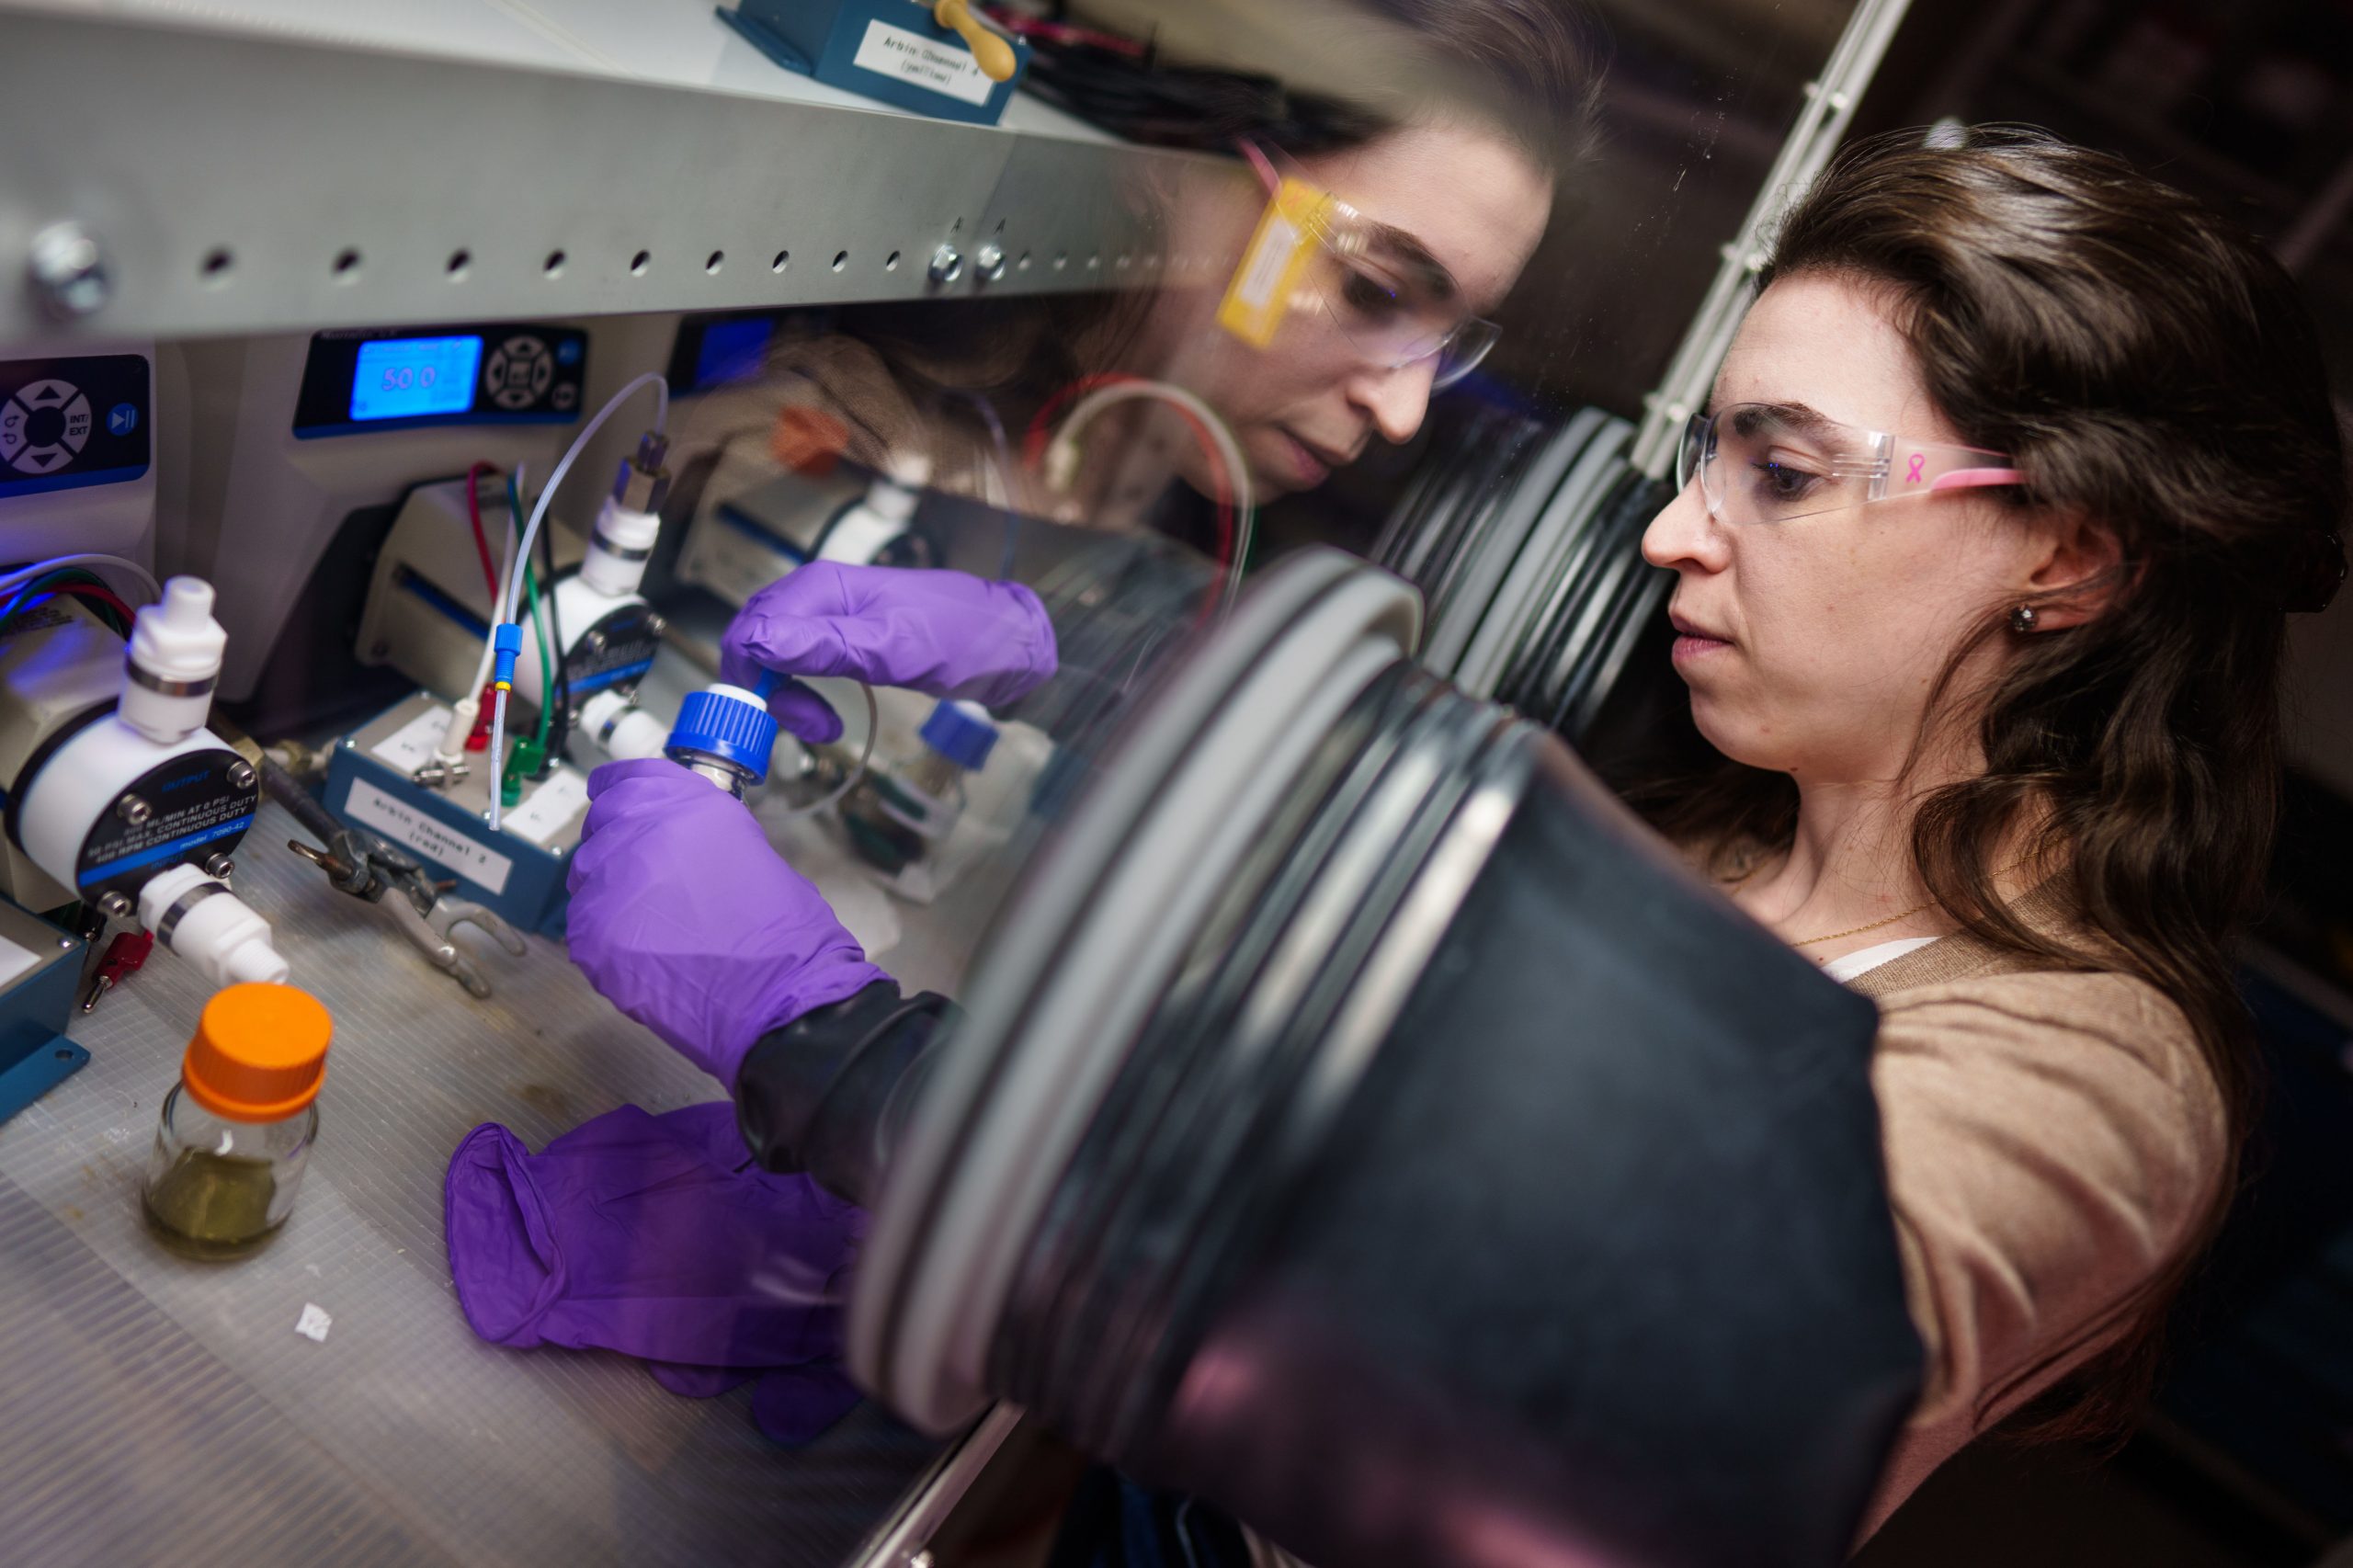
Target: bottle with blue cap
<point x="899" y="816"/>
<point x="725" y="733"/>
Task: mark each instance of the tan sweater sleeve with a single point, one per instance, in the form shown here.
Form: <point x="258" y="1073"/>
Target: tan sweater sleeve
<point x="2051" y="1139"/>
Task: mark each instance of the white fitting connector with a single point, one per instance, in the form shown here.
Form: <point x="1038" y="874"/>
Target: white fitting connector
<point x="460" y="725"/>
<point x="615" y="564"/>
<point x="174" y="663"/>
<point x="198" y="918"/>
<point x="617" y="726"/>
<point x="861" y="534"/>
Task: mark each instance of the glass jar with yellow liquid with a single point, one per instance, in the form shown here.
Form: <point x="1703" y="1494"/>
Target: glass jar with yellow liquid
<point x="237" y="1130"/>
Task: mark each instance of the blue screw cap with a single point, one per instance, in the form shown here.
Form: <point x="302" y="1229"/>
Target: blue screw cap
<point x="962" y="733"/>
<point x="725" y="721"/>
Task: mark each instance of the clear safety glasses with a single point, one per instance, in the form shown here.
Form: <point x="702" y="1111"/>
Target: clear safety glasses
<point x="1771" y="462"/>
<point x="1393" y="302"/>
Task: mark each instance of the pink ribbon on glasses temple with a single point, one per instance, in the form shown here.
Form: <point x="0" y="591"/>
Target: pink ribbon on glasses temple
<point x="1974" y="479"/>
<point x="1267" y="175"/>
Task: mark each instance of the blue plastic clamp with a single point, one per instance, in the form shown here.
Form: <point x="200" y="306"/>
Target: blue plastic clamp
<point x="506" y="644"/>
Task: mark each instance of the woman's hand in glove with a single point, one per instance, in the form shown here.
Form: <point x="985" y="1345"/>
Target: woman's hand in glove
<point x="942" y="633"/>
<point x="685" y="918"/>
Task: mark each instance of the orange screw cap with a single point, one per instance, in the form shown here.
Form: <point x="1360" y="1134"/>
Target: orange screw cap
<point x="260" y="1054"/>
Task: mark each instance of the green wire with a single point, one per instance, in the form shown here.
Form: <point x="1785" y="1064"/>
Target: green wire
<point x="547" y="656"/>
<point x="548" y="673"/>
<point x="25" y="597"/>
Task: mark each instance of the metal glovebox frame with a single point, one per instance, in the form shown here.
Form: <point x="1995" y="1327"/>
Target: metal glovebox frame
<point x="576" y="199"/>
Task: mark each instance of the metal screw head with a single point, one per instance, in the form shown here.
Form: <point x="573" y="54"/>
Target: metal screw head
<point x="593" y="639"/>
<point x="68" y="271"/>
<point x="115" y="906"/>
<point x="990" y="261"/>
<point x="920" y="1560"/>
<point x="657" y="624"/>
<point x="220" y="866"/>
<point x="133" y="810"/>
<point x="947" y="263"/>
<point x="241" y="773"/>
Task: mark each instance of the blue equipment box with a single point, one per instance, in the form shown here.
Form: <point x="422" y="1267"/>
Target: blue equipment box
<point x="891" y="51"/>
<point x="518" y="870"/>
<point x="41" y="967"/>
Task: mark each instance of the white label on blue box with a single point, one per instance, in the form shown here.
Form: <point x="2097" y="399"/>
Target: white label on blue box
<point x="923" y="62"/>
<point x="556" y="804"/>
<point x="411" y="747"/>
<point x="445" y="846"/>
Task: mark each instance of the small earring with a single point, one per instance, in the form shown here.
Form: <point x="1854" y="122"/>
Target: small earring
<point x="2022" y="619"/>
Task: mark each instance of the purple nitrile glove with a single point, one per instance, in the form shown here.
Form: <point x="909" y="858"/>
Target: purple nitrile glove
<point x="655" y="1236"/>
<point x="942" y="633"/>
<point x="685" y="918"/>
<point x="791" y="1406"/>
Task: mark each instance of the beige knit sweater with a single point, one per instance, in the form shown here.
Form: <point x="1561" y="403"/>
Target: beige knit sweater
<point x="2051" y="1139"/>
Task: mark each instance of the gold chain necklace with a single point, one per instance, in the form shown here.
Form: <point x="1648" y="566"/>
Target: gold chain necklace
<point x="1859" y="930"/>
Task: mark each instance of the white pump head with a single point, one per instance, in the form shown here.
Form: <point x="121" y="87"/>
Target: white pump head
<point x="174" y="663"/>
<point x="203" y="920"/>
<point x="621" y="729"/>
<point x="615" y="564"/>
<point x="863" y="533"/>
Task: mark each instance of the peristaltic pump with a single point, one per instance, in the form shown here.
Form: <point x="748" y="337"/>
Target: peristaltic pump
<point x="119" y="798"/>
<point x="610" y="633"/>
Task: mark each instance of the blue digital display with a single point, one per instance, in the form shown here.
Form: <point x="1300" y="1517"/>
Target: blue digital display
<point x="407" y="377"/>
<point x="732" y="350"/>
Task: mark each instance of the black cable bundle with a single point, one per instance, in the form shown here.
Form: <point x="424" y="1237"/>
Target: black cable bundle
<point x="1125" y="88"/>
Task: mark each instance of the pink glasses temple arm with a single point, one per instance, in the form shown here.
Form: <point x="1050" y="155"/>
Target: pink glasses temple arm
<point x="1974" y="479"/>
<point x="1267" y="176"/>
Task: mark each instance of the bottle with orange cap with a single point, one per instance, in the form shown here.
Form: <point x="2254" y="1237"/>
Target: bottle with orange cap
<point x="237" y="1129"/>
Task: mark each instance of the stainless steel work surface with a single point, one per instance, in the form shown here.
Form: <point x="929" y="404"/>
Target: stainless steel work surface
<point x="154" y="1410"/>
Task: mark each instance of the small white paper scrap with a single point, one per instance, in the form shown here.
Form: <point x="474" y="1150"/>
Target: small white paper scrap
<point x="315" y="1323"/>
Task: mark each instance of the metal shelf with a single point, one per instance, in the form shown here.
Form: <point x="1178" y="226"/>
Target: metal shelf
<point x="452" y="160"/>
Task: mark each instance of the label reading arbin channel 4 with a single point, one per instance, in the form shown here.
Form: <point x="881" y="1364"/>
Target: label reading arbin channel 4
<point x="444" y="845"/>
<point x="912" y="58"/>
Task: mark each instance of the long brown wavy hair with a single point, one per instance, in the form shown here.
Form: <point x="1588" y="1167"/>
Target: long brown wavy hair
<point x="2150" y="366"/>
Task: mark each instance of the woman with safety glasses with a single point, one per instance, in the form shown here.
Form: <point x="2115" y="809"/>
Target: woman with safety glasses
<point x="1984" y="551"/>
<point x="1417" y="219"/>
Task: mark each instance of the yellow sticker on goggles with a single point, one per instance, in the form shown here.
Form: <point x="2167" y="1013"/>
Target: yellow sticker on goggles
<point x="1259" y="296"/>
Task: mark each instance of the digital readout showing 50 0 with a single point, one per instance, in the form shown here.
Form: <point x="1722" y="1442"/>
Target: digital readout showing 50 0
<point x="403" y="378"/>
